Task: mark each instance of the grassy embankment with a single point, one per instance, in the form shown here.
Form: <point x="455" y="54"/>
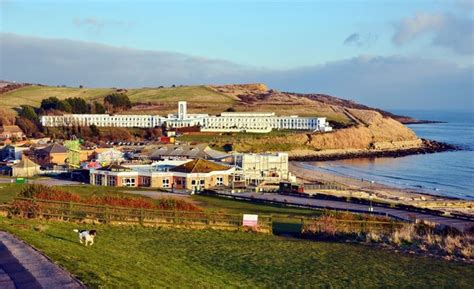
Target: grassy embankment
<point x="211" y="204"/>
<point x="219" y="141"/>
<point x="125" y="257"/>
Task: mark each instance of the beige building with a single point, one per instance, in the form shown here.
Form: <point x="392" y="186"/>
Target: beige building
<point x="192" y="175"/>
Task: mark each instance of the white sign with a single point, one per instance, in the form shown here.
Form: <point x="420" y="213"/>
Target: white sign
<point x="250" y="220"/>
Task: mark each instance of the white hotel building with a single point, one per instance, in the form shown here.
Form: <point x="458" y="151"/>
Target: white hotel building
<point x="257" y="122"/>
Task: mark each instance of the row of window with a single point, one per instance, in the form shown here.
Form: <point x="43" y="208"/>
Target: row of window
<point x="145" y="181"/>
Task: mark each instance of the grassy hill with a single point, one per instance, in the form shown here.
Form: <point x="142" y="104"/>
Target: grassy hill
<point x="137" y="257"/>
<point x="363" y="127"/>
<point x="165" y="98"/>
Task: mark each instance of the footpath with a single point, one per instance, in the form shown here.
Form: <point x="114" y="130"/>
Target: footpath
<point x="21" y="266"/>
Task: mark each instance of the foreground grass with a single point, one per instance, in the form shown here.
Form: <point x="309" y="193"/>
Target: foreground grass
<point x="136" y="257"/>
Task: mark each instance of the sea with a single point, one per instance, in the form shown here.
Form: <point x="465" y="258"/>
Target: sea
<point x="446" y="173"/>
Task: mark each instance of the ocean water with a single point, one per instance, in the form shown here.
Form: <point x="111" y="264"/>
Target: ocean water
<point x="446" y="173"/>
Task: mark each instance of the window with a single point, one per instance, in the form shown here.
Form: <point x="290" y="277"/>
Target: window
<point x="220" y="181"/>
<point x="129" y="182"/>
<point x="145" y="181"/>
<point x="98" y="180"/>
<point x="193" y="182"/>
<point x="111" y="181"/>
<point x="201" y="182"/>
<point x="166" y="183"/>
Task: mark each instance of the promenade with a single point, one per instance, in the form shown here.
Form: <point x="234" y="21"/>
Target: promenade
<point x="353" y="207"/>
<point x="22" y="267"/>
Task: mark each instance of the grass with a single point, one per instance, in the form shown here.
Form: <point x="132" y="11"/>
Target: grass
<point x="136" y="257"/>
<point x="212" y="204"/>
<point x="217" y="204"/>
<point x="32" y="95"/>
<point x="195" y="94"/>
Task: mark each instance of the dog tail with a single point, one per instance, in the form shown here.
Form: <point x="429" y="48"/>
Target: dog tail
<point x="76" y="230"/>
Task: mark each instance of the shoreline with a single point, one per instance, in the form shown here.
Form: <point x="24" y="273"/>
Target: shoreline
<point x="378" y="192"/>
<point x="428" y="147"/>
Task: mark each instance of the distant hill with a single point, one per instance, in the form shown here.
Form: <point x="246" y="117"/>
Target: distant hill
<point x="359" y="128"/>
<point x="211" y="99"/>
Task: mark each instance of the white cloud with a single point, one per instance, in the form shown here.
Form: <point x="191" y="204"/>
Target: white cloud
<point x="412" y="27"/>
<point x="448" y="30"/>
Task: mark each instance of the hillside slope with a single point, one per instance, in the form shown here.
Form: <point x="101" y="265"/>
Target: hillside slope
<point x="357" y="127"/>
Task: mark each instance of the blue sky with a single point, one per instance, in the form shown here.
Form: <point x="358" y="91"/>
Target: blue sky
<point x="259" y="37"/>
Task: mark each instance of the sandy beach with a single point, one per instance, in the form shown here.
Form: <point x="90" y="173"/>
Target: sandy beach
<point x="365" y="189"/>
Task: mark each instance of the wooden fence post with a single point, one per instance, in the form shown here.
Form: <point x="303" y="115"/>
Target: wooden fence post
<point x="142" y="216"/>
<point x="106" y="214"/>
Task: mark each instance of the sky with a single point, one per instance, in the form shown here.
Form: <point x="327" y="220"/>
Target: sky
<point x="391" y="54"/>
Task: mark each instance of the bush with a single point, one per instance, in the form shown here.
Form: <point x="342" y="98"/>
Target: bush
<point x="174" y="204"/>
<point x="120" y="201"/>
<point x="48" y="193"/>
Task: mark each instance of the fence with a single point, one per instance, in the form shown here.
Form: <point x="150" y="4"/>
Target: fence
<point x="288" y="224"/>
<point x="316" y="187"/>
<point x="36" y="208"/>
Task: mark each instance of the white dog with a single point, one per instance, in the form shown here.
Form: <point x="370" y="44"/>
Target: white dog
<point x="86" y="236"/>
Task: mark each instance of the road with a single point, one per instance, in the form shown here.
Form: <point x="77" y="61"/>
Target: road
<point x="21" y="266"/>
<point x="329" y="204"/>
<point x="43" y="181"/>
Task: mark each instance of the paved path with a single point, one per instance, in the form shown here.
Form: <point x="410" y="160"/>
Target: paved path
<point x="21" y="266"/>
<point x="329" y="204"/>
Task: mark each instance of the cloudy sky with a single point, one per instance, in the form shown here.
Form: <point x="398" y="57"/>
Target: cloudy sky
<point x="390" y="54"/>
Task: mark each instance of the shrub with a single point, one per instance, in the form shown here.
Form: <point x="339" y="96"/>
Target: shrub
<point x="48" y="193"/>
<point x="120" y="201"/>
<point x="24" y="208"/>
<point x="174" y="204"/>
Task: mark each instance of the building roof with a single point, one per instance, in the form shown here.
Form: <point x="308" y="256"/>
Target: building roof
<point x="26" y="163"/>
<point x="11" y="129"/>
<point x="202" y="151"/>
<point x="199" y="166"/>
<point x="115" y="168"/>
<point x="54" y="149"/>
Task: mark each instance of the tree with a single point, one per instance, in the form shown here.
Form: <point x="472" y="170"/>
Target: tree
<point x="117" y="101"/>
<point x="64" y="106"/>
<point x="97" y="107"/>
<point x="78" y="105"/>
<point x="27" y="126"/>
<point x="94" y="130"/>
<point x="28" y="112"/>
<point x="51" y="102"/>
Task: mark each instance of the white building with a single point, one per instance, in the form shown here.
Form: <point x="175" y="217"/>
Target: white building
<point x="256" y="168"/>
<point x="102" y="120"/>
<point x="258" y="122"/>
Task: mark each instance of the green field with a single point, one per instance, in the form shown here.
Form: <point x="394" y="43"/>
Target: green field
<point x="201" y="99"/>
<point x="136" y="257"/>
<point x="32" y="95"/>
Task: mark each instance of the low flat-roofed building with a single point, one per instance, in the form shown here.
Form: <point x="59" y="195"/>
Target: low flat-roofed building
<point x="193" y="175"/>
